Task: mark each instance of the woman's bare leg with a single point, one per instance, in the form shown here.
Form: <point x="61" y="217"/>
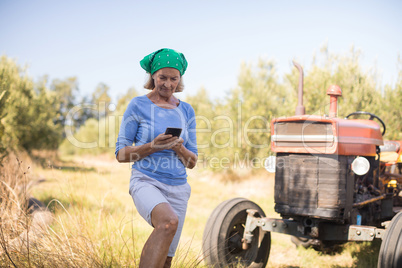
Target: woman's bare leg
<point x="165" y="221"/>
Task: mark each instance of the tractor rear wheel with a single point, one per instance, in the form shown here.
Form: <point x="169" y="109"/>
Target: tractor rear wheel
<point x="222" y="238"/>
<point x="390" y="255"/>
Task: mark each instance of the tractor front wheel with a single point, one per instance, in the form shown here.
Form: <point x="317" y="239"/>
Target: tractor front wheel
<point x="222" y="239"/>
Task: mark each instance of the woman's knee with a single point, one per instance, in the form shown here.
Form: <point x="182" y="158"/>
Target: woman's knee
<point x="165" y="219"/>
<point x="168" y="224"/>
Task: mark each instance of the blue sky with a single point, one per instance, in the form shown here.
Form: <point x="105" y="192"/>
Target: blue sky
<point x="103" y="41"/>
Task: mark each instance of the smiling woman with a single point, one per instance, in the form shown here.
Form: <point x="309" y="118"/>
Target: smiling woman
<point x="158" y="184"/>
<point x="151" y="85"/>
<point x="165" y="82"/>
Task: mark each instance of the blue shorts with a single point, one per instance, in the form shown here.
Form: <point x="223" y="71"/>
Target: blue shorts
<point x="148" y="192"/>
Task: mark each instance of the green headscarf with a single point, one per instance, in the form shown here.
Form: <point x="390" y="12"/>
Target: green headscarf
<point x="163" y="58"/>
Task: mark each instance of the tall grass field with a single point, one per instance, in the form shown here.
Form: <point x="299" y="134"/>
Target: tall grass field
<point x="91" y="220"/>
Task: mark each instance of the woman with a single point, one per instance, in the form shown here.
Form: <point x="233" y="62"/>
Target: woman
<point x="158" y="183"/>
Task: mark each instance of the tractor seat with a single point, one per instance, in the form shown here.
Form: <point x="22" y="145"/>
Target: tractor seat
<point x="390" y="146"/>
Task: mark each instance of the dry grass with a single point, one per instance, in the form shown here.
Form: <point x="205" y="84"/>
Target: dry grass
<point x="27" y="241"/>
<point x="14" y="186"/>
<point x="96" y="225"/>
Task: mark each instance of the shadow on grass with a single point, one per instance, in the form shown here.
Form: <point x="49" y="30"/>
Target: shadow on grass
<point x="55" y="163"/>
<point x="367" y="256"/>
<point x="55" y="204"/>
<point x="74" y="168"/>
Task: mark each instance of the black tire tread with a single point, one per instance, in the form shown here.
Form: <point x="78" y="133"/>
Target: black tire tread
<point x="207" y="235"/>
<point x="213" y="228"/>
<point x="390" y="255"/>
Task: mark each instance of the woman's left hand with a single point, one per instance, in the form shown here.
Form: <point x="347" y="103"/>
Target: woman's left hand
<point x="188" y="158"/>
<point x="178" y="145"/>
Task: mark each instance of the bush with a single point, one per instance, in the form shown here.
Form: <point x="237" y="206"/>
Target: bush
<point x="29" y="119"/>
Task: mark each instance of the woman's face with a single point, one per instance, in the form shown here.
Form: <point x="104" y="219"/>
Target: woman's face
<point x="166" y="81"/>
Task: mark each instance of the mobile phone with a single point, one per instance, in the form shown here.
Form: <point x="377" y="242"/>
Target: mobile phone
<point x="175" y="132"/>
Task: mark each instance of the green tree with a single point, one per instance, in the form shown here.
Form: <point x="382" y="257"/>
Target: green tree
<point x="71" y="111"/>
<point x="102" y="99"/>
<point x="360" y="91"/>
<point x="65" y="91"/>
<point x="98" y="136"/>
<point x="391" y="111"/>
<point x="258" y="98"/>
<point x="3" y="101"/>
<point x="29" y="122"/>
<point x="124" y="100"/>
<point x="204" y="109"/>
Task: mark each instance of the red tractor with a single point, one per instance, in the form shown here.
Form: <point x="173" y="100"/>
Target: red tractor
<point x="331" y="186"/>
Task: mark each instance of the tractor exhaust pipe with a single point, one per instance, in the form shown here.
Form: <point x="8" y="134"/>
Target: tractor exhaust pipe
<point x="300" y="110"/>
<point x="334" y="92"/>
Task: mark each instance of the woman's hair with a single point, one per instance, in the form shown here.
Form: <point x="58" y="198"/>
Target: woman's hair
<point x="151" y="85"/>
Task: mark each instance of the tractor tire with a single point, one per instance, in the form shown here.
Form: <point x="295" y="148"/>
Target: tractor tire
<point x="390" y="255"/>
<point x="222" y="245"/>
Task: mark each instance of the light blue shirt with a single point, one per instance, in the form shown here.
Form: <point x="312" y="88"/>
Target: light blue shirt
<point x="143" y="120"/>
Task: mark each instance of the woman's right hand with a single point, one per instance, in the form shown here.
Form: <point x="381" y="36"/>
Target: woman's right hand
<point x="163" y="142"/>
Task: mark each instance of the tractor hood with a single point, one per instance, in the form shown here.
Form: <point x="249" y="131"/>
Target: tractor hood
<point x="324" y="135"/>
